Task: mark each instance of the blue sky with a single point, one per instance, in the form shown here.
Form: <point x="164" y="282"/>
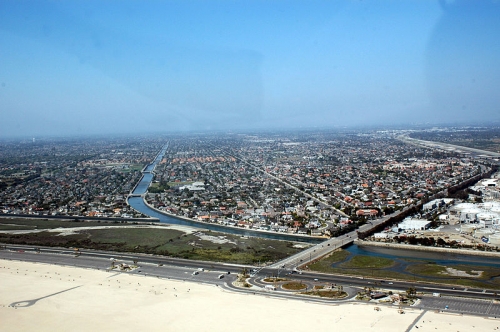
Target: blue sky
<point x="96" y="67"/>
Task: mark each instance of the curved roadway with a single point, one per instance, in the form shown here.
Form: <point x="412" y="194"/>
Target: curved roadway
<point x="472" y="301"/>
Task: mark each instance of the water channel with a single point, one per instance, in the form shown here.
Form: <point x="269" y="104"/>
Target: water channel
<point x="402" y="258"/>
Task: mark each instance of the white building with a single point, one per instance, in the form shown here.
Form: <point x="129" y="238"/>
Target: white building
<point x="410" y="224"/>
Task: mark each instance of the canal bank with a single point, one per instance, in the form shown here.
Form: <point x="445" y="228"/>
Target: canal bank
<point x="136" y="200"/>
<point x="396" y="246"/>
<point x="139" y="203"/>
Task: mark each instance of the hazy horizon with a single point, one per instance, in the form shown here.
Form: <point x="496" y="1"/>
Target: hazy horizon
<point x="81" y="68"/>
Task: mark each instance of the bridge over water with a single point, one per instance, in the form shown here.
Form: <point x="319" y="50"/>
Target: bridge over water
<point x="324" y="248"/>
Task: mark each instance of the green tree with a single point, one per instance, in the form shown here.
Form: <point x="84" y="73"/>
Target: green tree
<point x="411" y="292"/>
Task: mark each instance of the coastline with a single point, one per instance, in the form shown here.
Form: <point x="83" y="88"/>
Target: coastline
<point x="424" y="248"/>
<point x="44" y="297"/>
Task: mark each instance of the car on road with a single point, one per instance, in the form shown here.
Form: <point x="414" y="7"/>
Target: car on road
<point x="315" y="279"/>
<point x="195" y="273"/>
<point x="221" y="276"/>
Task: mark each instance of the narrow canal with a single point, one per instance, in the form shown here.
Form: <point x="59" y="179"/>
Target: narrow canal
<point x="402" y="258"/>
<point x="137" y="202"/>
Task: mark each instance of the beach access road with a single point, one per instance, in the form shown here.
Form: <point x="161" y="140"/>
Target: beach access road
<point x="457" y="299"/>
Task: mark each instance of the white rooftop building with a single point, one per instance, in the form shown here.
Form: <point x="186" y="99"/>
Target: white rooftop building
<point x="486" y="214"/>
<point x="489" y="183"/>
<point x="437" y="203"/>
<point x="410" y="224"/>
<point x="195" y="186"/>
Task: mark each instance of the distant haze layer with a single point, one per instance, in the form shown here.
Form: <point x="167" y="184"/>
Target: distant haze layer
<point x="93" y="67"/>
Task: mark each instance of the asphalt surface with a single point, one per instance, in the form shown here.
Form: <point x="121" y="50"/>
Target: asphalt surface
<point x="452" y="299"/>
<point x="321" y="249"/>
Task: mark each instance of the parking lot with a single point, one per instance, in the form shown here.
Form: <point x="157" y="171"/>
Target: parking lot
<point x="455" y="304"/>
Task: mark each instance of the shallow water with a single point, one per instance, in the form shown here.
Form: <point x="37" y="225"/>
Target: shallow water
<point x="404" y="258"/>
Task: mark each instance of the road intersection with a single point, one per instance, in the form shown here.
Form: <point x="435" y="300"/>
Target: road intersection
<point x="471" y="301"/>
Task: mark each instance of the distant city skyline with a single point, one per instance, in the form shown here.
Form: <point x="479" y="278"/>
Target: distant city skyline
<point x="123" y="67"/>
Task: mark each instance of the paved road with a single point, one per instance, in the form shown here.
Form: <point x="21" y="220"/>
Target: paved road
<point x="324" y="248"/>
<point x="481" y="307"/>
<point x="147" y="264"/>
<point x="473" y="301"/>
<point x="458" y="148"/>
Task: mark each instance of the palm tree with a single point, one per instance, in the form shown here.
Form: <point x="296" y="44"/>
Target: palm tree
<point x="411" y="292"/>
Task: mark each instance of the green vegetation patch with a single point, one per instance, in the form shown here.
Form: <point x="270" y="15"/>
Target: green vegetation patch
<point x="456" y="272"/>
<point x="332" y="294"/>
<point x="271" y="279"/>
<point x="15" y="227"/>
<point x="373" y="262"/>
<point x="131" y="168"/>
<point x="294" y="286"/>
<point x="215" y="255"/>
<point x="206" y="245"/>
<point x="35" y="223"/>
<point x="180" y="184"/>
<point x="325" y="264"/>
<point x="41" y="239"/>
<point x="370" y="267"/>
<point x="427" y="269"/>
<point x="134" y="237"/>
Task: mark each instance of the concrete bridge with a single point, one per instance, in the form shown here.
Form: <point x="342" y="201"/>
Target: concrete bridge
<point x="135" y="195"/>
<point x="326" y="247"/>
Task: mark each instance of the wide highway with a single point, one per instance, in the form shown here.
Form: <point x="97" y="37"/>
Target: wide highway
<point x="457" y="299"/>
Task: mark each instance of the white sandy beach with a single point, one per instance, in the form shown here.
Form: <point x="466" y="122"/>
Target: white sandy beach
<point x="76" y="299"/>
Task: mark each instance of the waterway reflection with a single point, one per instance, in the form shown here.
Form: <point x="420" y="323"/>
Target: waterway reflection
<point x="443" y="258"/>
<point x="138" y="204"/>
<point x="404" y="258"/>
